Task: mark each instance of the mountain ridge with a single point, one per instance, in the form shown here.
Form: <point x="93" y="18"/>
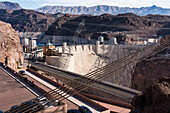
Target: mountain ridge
<point x="93" y="10"/>
<point x="102" y="9"/>
<point x="10" y="5"/>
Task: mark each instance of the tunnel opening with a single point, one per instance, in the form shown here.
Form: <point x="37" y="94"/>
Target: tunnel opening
<point x="6" y="61"/>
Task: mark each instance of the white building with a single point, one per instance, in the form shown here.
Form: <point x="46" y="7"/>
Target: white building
<point x="25" y="41"/>
<point x="28" y="44"/>
<point x="152" y="40"/>
<point x="37" y="53"/>
<point x="32" y="44"/>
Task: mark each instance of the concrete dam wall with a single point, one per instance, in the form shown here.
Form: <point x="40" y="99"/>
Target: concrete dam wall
<point x="82" y="59"/>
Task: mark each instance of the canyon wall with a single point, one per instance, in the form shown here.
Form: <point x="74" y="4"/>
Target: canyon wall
<point x="11" y="52"/>
<point x="149" y="71"/>
<point x="156" y="99"/>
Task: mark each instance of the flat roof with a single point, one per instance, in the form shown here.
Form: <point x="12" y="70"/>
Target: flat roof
<point x="11" y="92"/>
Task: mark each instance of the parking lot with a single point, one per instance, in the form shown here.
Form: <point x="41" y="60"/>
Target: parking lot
<point x="11" y="92"/>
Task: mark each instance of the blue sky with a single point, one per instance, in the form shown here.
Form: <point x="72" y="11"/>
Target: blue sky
<point x="33" y="4"/>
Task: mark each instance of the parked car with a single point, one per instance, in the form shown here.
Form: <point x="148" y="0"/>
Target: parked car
<point x="42" y="98"/>
<point x="15" y="108"/>
<point x="29" y="105"/>
<point x="26" y="103"/>
<point x="43" y="103"/>
<point x="32" y="106"/>
<point x="73" y="111"/>
<point x="84" y="109"/>
<point x="22" y="72"/>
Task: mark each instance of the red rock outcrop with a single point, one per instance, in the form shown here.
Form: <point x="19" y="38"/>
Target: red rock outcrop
<point x="11" y="51"/>
<point x="156" y="99"/>
<point x="149" y="71"/>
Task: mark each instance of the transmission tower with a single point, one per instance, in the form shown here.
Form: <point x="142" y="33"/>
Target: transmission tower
<point x="73" y="41"/>
<point x="86" y="81"/>
<point x="80" y="28"/>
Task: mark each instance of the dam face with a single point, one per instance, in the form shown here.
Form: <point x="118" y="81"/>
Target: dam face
<point x="83" y="59"/>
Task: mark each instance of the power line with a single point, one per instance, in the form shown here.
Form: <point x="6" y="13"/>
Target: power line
<point x="35" y="4"/>
<point x="88" y="80"/>
<point x="26" y="4"/>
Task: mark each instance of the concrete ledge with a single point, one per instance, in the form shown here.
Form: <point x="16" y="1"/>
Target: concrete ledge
<point x="65" y="77"/>
<point x="107" y="100"/>
<point x="43" y="77"/>
<point x="136" y="92"/>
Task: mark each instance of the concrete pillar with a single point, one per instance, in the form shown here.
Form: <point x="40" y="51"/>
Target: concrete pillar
<point x="101" y="39"/>
<point x="115" y="41"/>
<point x="64" y="46"/>
<point x="145" y="42"/>
<point x="97" y="47"/>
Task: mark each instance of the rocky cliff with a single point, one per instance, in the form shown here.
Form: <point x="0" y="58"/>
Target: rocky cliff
<point x="156" y="99"/>
<point x="65" y="24"/>
<point x="11" y="52"/>
<point x="107" y="24"/>
<point x="10" y="5"/>
<point x="27" y="20"/>
<point x="149" y="71"/>
<point x="103" y="9"/>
